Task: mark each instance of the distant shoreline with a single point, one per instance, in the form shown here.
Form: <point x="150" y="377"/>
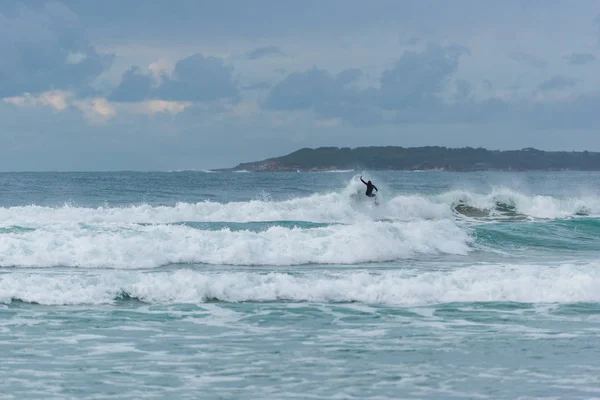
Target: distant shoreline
<point x="430" y="159"/>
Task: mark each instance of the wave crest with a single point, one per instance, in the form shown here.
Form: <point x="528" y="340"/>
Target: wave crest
<point x="566" y="283"/>
<point x="149" y="246"/>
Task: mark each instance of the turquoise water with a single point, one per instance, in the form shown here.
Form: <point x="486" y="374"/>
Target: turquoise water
<point x="295" y="285"/>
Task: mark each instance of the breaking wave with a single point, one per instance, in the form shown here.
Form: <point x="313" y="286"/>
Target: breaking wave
<point x="342" y="227"/>
<point x="566" y="283"/>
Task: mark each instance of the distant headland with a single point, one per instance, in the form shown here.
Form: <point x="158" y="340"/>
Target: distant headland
<point x="424" y="159"/>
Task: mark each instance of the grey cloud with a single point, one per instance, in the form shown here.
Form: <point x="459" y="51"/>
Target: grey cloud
<point x="409" y="88"/>
<point x="557" y="83"/>
<point x="46" y="49"/>
<point x="300" y="90"/>
<point x="187" y="19"/>
<point x="226" y="18"/>
<point x="418" y="77"/>
<point x="470" y="111"/>
<point x="305" y="90"/>
<point x="528" y="59"/>
<point x="134" y="86"/>
<point x="199" y="78"/>
<point x="328" y="95"/>
<point x="195" y="78"/>
<point x="413" y="40"/>
<point x="268" y="51"/>
<point x="359" y="114"/>
<point x="408" y="93"/>
<point x="580" y="58"/>
<point x="349" y="76"/>
<point x="463" y="90"/>
<point x="579" y="113"/>
<point x="258" y="86"/>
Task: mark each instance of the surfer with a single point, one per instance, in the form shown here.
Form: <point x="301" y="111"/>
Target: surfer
<point x="370" y="187"/>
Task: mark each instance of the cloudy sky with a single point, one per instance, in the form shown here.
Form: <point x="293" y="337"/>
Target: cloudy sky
<point x="186" y="84"/>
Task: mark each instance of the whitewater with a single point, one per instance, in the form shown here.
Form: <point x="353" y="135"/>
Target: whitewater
<point x="198" y="284"/>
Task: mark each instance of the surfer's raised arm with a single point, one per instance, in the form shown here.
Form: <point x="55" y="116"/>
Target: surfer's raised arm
<point x="361" y="179"/>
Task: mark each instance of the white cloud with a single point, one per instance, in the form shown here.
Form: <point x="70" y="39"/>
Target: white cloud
<point x="76" y="58"/>
<point x="161" y="67"/>
<point x="328" y="123"/>
<point x="56" y="99"/>
<point x="158" y="106"/>
<point x="95" y="110"/>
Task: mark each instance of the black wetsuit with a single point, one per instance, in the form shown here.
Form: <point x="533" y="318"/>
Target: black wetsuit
<point x="370" y="188"/>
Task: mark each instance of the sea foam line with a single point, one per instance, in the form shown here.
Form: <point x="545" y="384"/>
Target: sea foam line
<point x="566" y="283"/>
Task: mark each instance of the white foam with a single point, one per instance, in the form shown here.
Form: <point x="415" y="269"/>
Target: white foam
<point x="147" y="246"/>
<point x="514" y="283"/>
<point x="113" y="237"/>
<point x="536" y="206"/>
<point x="332" y="207"/>
<point x="348" y="205"/>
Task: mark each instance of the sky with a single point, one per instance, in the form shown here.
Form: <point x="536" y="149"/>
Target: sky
<point x="186" y="84"/>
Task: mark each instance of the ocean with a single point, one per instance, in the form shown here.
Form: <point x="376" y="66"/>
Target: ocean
<point x="192" y="284"/>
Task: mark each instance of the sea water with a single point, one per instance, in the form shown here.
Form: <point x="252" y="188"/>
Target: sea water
<point x="190" y="285"/>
